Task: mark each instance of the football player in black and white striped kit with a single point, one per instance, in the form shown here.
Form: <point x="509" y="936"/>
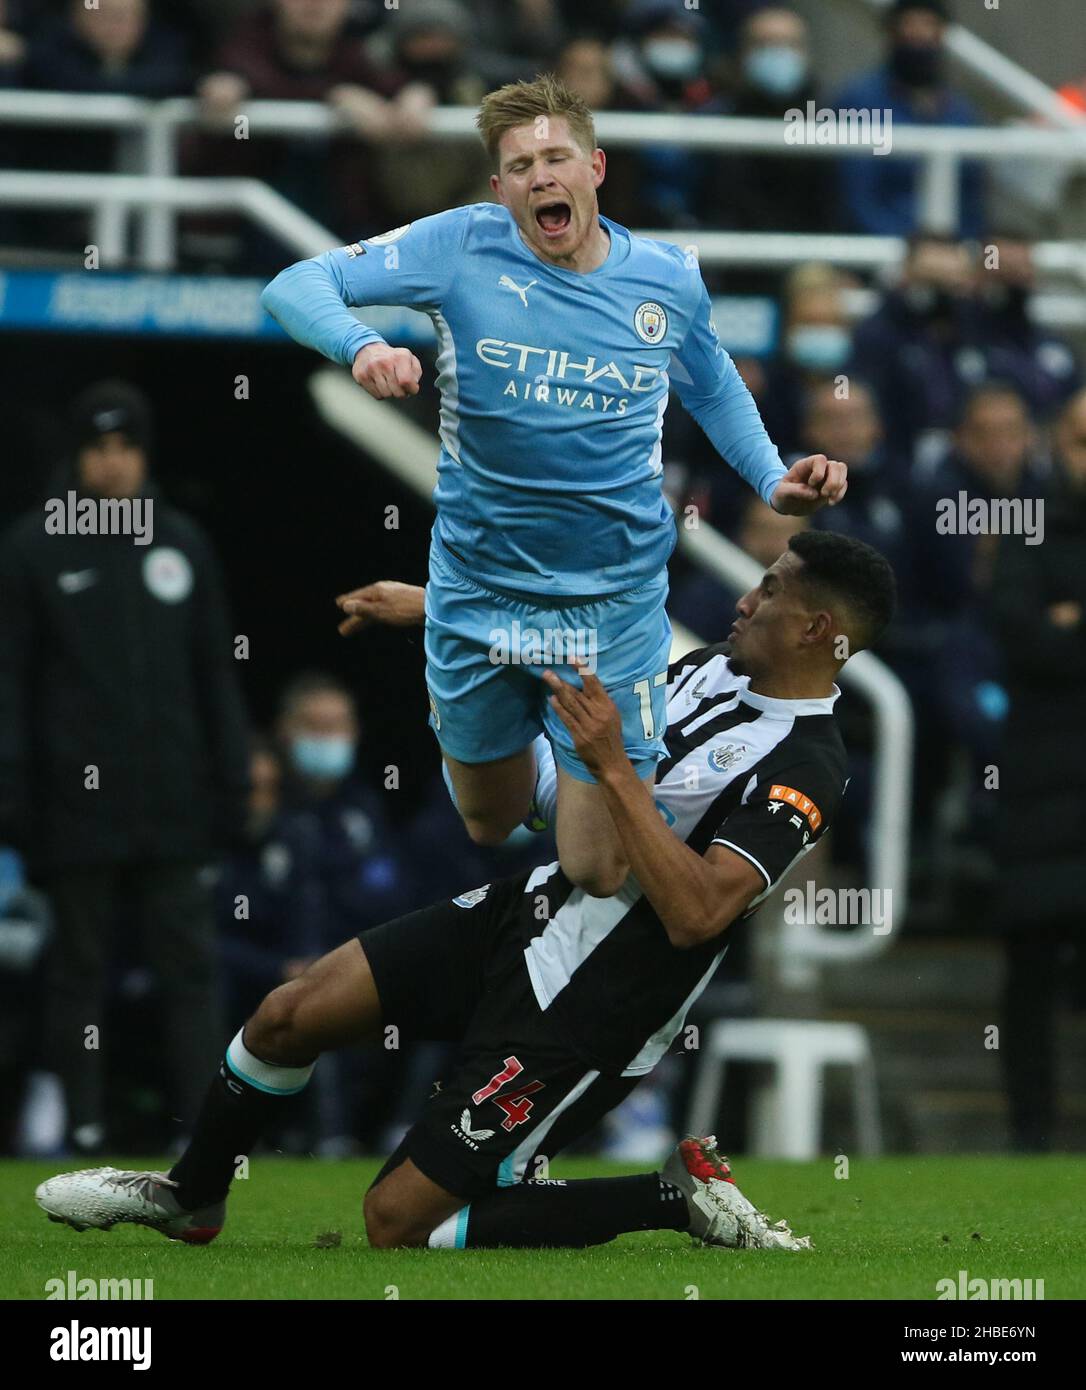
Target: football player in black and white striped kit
<point x="560" y="1001"/>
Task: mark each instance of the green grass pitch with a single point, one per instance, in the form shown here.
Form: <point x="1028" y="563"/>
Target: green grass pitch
<point x="892" y="1229"/>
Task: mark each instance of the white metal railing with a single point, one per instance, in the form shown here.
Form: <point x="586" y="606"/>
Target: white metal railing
<point x="1002" y="74"/>
<point x="112" y="198"/>
<point x="855" y="252"/>
<point x="410" y="454"/>
<point x="154" y="127"/>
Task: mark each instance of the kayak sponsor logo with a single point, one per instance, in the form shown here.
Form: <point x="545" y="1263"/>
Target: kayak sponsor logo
<point x="803" y="804"/>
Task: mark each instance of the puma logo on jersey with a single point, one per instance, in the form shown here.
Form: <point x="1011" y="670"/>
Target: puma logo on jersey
<point x="506" y="283"/>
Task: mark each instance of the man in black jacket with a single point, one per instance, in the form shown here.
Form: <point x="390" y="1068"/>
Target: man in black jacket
<point x="123" y="744"/>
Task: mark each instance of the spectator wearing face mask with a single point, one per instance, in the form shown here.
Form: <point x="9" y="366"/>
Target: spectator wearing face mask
<point x="815" y="345"/>
<point x="429" y="45"/>
<point x="749" y="192"/>
<point x="662" y="65"/>
<point x="1040" y="363"/>
<point x="882" y="192"/>
<point x="923" y="349"/>
<point x="344" y="874"/>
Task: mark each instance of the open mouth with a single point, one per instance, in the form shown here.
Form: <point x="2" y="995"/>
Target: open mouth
<point x="553" y="218"/>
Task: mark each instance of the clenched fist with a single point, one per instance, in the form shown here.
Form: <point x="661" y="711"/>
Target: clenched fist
<point x="809" y="484"/>
<point x="386" y="371"/>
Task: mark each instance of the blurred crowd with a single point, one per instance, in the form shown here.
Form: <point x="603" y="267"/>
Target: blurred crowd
<point x="944" y="385"/>
<point x="382" y="68"/>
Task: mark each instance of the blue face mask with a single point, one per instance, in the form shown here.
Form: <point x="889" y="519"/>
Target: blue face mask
<point x="326" y="758"/>
<point x="672" y="58"/>
<point x="819" y="347"/>
<point x="777" y="69"/>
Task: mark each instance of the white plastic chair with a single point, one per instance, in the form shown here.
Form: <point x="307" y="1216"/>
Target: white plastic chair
<point x="799" y="1050"/>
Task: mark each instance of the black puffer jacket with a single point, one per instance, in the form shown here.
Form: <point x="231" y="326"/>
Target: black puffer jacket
<point x="119" y="656"/>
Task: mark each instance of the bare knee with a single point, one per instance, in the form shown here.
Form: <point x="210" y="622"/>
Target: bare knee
<point x="388" y="1226"/>
<point x="273" y="1033"/>
<point x="599" y="879"/>
<point x="488" y="833"/>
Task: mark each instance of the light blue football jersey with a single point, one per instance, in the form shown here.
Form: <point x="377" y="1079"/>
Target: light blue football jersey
<point x="553" y="389"/>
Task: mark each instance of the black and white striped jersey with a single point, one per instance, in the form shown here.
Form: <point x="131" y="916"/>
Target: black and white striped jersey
<point x="762" y="776"/>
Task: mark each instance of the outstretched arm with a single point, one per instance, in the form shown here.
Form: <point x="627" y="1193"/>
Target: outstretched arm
<point x="387" y="601"/>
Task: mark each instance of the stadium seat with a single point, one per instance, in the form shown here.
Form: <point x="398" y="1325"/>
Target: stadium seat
<point x="789" y="1125"/>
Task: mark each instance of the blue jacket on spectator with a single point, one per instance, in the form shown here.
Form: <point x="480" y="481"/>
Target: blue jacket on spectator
<point x="921" y="366"/>
<point x="881" y="192"/>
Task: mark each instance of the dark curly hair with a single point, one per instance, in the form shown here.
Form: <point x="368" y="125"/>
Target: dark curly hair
<point x="849" y="570"/>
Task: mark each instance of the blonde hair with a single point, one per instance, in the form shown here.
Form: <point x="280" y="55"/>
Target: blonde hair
<point x="523" y="103"/>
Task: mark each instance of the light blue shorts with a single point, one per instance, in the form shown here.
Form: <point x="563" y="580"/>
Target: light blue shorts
<point x="485" y="655"/>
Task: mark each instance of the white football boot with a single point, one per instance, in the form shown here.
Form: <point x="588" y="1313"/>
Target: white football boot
<point x="719" y="1213"/>
<point x="103" y="1197"/>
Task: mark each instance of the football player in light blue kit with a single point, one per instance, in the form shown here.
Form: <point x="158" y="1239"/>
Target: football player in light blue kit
<point x="560" y="335"/>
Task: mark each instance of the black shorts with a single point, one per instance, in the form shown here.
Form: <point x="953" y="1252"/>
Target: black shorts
<point x="455" y="972"/>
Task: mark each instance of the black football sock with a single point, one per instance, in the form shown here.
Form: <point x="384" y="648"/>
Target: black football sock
<point x="240" y="1103"/>
<point x="572" y="1215"/>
